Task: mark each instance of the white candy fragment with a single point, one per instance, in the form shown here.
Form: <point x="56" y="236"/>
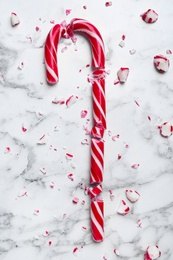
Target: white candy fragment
<point x="122" y="74"/>
<point x="132" y="51"/>
<point x="132" y="195"/>
<point x="122" y="44"/>
<point x="149" y="16"/>
<point x="123" y="208"/>
<point x="14" y="19"/>
<point x="152" y="253"/>
<point x="43" y="170"/>
<point x="161" y="63"/>
<point x="166" y="129"/>
<point x="21" y="66"/>
<point x="71" y="100"/>
<point x="58" y="101"/>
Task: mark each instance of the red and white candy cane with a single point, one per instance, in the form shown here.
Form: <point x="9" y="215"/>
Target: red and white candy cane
<point x="99" y="109"/>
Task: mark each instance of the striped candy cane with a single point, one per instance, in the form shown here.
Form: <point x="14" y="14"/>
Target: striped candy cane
<point x="99" y="108"/>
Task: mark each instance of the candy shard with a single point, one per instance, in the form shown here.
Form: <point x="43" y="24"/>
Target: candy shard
<point x="161" y="63"/>
<point x="152" y="253"/>
<point x="71" y="100"/>
<point x="43" y="139"/>
<point x="123" y="208"/>
<point x="14" y="19"/>
<point x="132" y="195"/>
<point x="122" y="74"/>
<point x="166" y="130"/>
<point x="149" y="16"/>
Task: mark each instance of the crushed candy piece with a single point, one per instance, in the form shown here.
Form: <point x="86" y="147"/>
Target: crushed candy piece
<point x="132" y="51"/>
<point x="152" y="253"/>
<point x="64" y="49"/>
<point x="43" y="170"/>
<point x="68" y="11"/>
<point x="75" y="200"/>
<point x="166" y="130"/>
<point x="122" y="44"/>
<point x="132" y="195"/>
<point x="36" y="212"/>
<point x="70" y="176"/>
<point x="21" y="66"/>
<point x="161" y="63"/>
<point x="24" y="129"/>
<point x="58" y="101"/>
<point x="108" y="3"/>
<point x="123" y="208"/>
<point x="112" y="196"/>
<point x="139" y="223"/>
<point x="85" y="141"/>
<point x="14" y="19"/>
<point x="119" y="156"/>
<point x="46" y="233"/>
<point x="137" y="103"/>
<point x="43" y="139"/>
<point x="114" y="137"/>
<point x="69" y="156"/>
<point x="168" y="52"/>
<point x="116" y="252"/>
<point x="71" y="100"/>
<point x="22" y="193"/>
<point x="149" y="16"/>
<point x="7" y="149"/>
<point x="84" y="113"/>
<point x="52" y="185"/>
<point x="122" y="74"/>
<point x="135" y="166"/>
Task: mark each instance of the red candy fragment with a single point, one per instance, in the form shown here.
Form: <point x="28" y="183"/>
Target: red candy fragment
<point x="152" y="253"/>
<point x="84" y="113"/>
<point x="166" y="130"/>
<point x="75" y="200"/>
<point x="135" y="166"/>
<point x="14" y="19"/>
<point x="161" y="63"/>
<point x="68" y="11"/>
<point x="123" y="208"/>
<point x="108" y="3"/>
<point x="149" y="16"/>
<point x="122" y="74"/>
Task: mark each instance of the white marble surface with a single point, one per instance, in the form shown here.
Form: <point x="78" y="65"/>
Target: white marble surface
<point x="26" y="100"/>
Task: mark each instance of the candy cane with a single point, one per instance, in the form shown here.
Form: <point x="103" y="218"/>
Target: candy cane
<point x="99" y="109"/>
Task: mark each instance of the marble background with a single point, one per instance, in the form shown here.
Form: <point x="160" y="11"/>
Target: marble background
<point x="37" y="217"/>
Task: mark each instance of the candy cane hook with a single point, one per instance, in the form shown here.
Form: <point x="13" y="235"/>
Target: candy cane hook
<point x="99" y="108"/>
